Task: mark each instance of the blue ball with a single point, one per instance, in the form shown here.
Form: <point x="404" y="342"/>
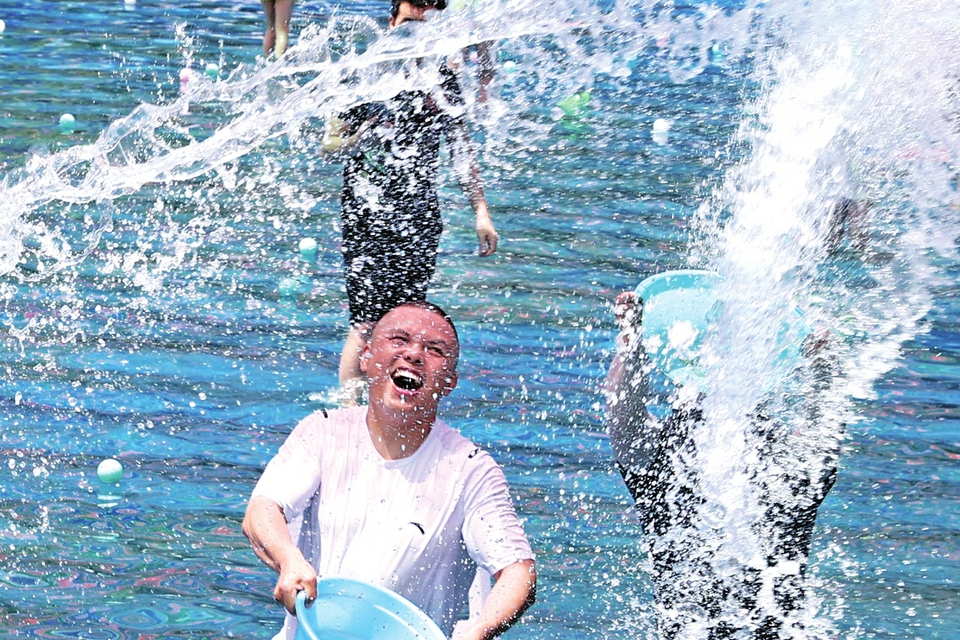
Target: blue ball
<point x="307" y="248"/>
<point x="67" y="123"/>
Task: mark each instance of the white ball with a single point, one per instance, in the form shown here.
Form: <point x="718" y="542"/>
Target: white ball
<point x="307" y="245"/>
<point x="3" y="26"/>
<point x="660" y="125"/>
<point x="110" y="471"/>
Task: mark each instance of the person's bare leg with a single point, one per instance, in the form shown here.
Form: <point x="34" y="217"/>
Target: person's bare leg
<point x="283" y="10"/>
<point x="269" y="34"/>
<point x="351" y="378"/>
<point x="485" y="55"/>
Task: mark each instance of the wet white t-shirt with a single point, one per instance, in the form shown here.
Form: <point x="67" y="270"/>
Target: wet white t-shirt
<point x="419" y="526"/>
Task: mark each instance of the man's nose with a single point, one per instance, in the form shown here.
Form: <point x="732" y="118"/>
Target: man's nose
<point x="413" y="351"/>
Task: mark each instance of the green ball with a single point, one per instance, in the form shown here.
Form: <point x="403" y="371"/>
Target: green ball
<point x="110" y="471"/>
<point x="576" y="104"/>
<point x="67" y="123"/>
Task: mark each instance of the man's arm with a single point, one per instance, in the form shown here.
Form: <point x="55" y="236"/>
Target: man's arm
<point x="468" y="175"/>
<point x="344" y="131"/>
<point x="634" y="434"/>
<point x="266" y="527"/>
<point x="512" y="594"/>
<point x="340" y="137"/>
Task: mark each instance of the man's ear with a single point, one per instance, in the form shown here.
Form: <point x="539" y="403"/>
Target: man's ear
<point x="364" y="357"/>
<point x="450" y="383"/>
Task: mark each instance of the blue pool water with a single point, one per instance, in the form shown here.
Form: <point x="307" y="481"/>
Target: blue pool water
<point x="142" y="256"/>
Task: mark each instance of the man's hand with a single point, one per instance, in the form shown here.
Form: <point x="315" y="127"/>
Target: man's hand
<point x="486" y="234"/>
<point x="296" y="575"/>
<point x="266" y="527"/>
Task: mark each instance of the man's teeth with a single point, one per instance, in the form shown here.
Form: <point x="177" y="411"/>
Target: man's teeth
<point x="407" y="380"/>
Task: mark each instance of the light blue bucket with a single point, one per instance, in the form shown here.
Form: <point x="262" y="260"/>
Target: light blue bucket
<point x="678" y="307"/>
<point x="347" y="609"/>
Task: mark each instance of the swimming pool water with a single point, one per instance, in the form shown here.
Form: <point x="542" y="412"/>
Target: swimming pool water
<point x="170" y="347"/>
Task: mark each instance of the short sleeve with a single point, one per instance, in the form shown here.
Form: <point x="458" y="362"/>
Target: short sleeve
<point x="361" y="113"/>
<point x="491" y="530"/>
<point x="451" y="87"/>
<point x="292" y="477"/>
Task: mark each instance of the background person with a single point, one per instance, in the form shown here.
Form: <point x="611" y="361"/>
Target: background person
<point x="700" y="591"/>
<point x="277" y="34"/>
<point x="391" y="495"/>
<point x="390" y="214"/>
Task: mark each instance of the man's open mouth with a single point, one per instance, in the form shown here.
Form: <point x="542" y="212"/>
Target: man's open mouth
<point x="406" y="380"/>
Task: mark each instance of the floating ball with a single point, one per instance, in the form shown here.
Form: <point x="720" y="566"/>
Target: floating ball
<point x="67" y="123"/>
<point x="288" y="287"/>
<point x="575" y="104"/>
<point x="661" y="131"/>
<point x="307" y="247"/>
<point x="661" y="125"/>
<point x="110" y="471"/>
<point x="717" y="54"/>
<point x="3" y="26"/>
<point x="509" y="66"/>
<point x="185" y="76"/>
<point x="212" y="71"/>
<point x="129" y="2"/>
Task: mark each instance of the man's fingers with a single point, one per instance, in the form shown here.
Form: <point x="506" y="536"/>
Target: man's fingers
<point x="488" y="243"/>
<point x="286" y="592"/>
<point x="623" y="305"/>
<point x="311" y="589"/>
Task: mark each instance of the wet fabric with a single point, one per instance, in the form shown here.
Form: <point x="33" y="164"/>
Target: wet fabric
<point x="690" y="588"/>
<point x="418" y="526"/>
<point x="390" y="211"/>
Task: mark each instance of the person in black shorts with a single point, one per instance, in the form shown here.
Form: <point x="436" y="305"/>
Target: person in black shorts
<point x="701" y="589"/>
<point x="390" y="216"/>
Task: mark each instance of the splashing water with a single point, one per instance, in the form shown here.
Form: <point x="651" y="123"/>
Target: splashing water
<point x="842" y="121"/>
<point x="156" y="246"/>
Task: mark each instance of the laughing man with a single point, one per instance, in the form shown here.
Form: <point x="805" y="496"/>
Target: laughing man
<point x="391" y="495"/>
